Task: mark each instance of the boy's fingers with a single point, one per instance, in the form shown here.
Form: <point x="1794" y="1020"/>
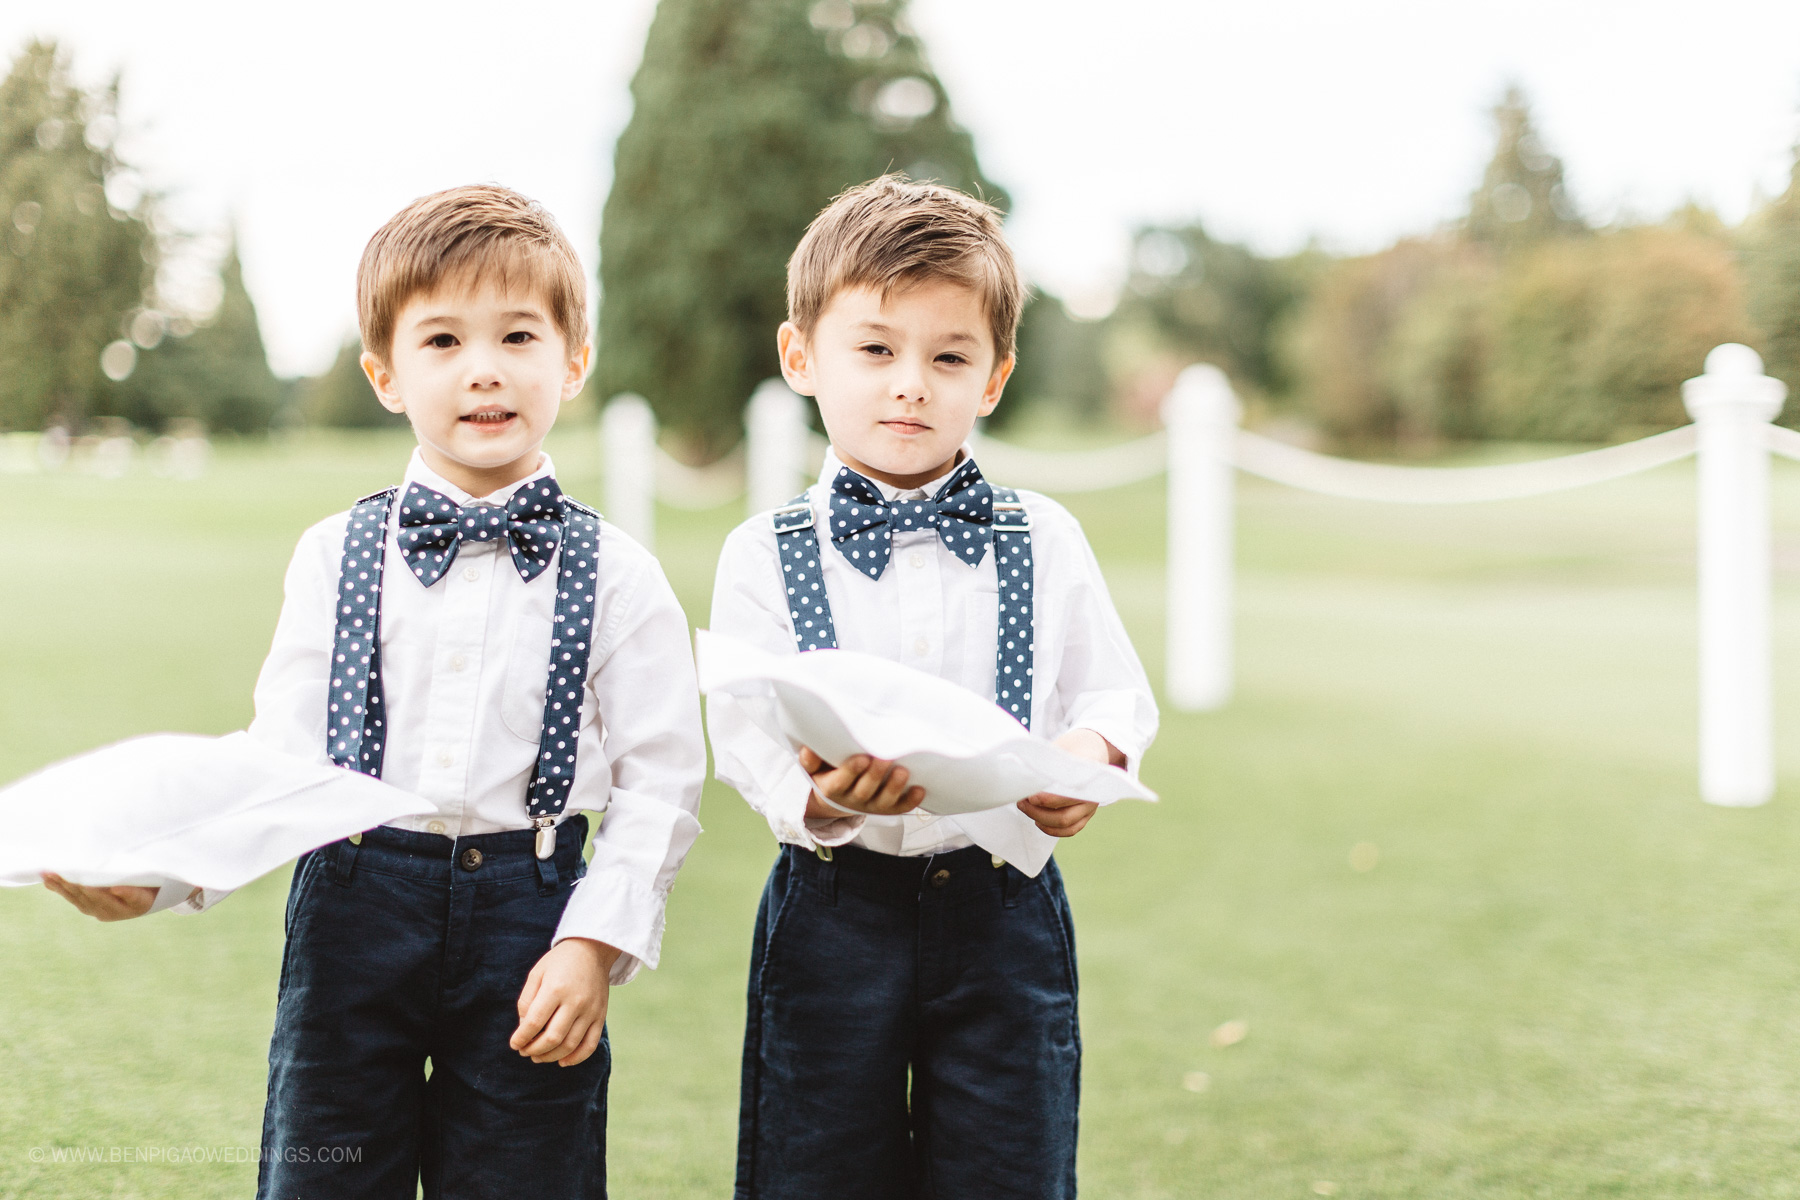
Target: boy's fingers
<point x="543" y="1007"/>
<point x="590" y="1042"/>
<point x="809" y="761"/>
<point x="888" y="798"/>
<point x="552" y="1037"/>
<point x="914" y="797"/>
<point x="869" y="785"/>
<point x="529" y="992"/>
<point x="571" y="1042"/>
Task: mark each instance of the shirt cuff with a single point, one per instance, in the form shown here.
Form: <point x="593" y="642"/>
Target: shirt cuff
<point x="622" y="912"/>
<point x="1121" y="737"/>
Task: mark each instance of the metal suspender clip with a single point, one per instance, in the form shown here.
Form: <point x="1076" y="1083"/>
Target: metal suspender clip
<point x="546" y="835"/>
<point x="790" y="517"/>
<point x="1010" y="517"/>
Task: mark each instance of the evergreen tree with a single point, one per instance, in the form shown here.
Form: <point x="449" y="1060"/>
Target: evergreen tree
<point x="1521" y="198"/>
<point x="342" y="398"/>
<point x="1771" y="263"/>
<point x="78" y="254"/>
<point x="750" y="115"/>
<point x="216" y="372"/>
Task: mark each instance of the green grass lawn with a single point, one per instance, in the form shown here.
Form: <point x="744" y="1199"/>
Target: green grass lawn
<point x="1563" y="976"/>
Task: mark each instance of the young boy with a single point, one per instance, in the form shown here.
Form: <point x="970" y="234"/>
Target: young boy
<point x="475" y="637"/>
<point x="912" y="1018"/>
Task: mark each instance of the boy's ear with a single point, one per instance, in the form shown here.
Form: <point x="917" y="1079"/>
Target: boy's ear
<point x="990" y="396"/>
<point x="578" y="371"/>
<point x="386" y="387"/>
<point x="796" y="361"/>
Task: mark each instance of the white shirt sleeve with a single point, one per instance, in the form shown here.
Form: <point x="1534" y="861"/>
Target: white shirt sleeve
<point x="1100" y="683"/>
<point x="642" y="685"/>
<point x="750" y="604"/>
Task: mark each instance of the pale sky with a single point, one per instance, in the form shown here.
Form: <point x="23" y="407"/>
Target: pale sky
<point x="1271" y="121"/>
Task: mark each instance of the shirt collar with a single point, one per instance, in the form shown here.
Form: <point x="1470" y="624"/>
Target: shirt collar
<point x="890" y="493"/>
<point x="418" y="472"/>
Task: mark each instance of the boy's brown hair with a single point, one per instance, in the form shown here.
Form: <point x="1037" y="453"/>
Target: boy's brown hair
<point x="892" y="233"/>
<point x="468" y="235"/>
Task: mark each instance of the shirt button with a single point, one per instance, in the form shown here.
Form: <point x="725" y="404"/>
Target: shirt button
<point x="435" y="827"/>
<point x="458" y="662"/>
<point x="446" y="759"/>
<point x="471" y="573"/>
<point x="920" y="645"/>
<point x="917" y="559"/>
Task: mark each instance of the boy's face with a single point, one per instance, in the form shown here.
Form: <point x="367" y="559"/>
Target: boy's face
<point x="899" y="383"/>
<point x="480" y="373"/>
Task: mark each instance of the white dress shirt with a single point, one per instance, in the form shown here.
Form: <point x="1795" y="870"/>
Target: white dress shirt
<point x="932" y="611"/>
<point x="464" y="665"/>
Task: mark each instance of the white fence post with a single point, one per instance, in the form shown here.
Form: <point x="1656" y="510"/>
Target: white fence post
<point x="1201" y="416"/>
<point x="1732" y="404"/>
<point x="628" y="452"/>
<point x="775" y="430"/>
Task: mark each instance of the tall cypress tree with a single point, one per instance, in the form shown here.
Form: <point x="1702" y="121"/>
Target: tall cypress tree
<point x="1771" y="267"/>
<point x="1521" y="199"/>
<point x="749" y="116"/>
<point x="77" y="256"/>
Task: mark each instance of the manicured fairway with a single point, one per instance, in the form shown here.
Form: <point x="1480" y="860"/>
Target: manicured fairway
<point x="1560" y="975"/>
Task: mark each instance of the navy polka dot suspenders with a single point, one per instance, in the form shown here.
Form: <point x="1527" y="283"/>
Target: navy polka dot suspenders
<point x="797" y="546"/>
<point x="356" y="730"/>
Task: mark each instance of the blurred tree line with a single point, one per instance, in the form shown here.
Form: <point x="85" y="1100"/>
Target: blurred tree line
<point x="87" y="329"/>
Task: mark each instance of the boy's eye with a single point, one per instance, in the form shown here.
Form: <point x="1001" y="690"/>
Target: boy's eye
<point x="441" y="341"/>
<point x="517" y="337"/>
<point x="874" y="348"/>
<point x="951" y="358"/>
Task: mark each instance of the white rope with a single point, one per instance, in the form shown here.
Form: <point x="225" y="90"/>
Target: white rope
<point x="681" y="486"/>
<point x="1785" y="442"/>
<point x="1080" y="471"/>
<point x="1350" y="480"/>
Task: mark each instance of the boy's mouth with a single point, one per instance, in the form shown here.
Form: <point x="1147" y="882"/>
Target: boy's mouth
<point x="489" y="416"/>
<point x="903" y="425"/>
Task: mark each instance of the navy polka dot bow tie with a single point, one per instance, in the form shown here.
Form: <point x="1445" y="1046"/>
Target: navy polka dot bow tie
<point x="433" y="526"/>
<point x="863" y="522"/>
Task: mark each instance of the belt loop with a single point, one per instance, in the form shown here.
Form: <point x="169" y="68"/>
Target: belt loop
<point x="827" y="876"/>
<point x="343" y="859"/>
<point x="1015" y="883"/>
<point x="547" y="876"/>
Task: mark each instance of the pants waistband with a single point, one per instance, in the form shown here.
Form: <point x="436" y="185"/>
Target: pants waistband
<point x="488" y="857"/>
<point x="907" y="880"/>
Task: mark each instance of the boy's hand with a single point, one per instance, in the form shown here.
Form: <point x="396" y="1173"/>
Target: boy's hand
<point x="562" y="1009"/>
<point x="107" y="904"/>
<point x="863" y="783"/>
<point x="1061" y="816"/>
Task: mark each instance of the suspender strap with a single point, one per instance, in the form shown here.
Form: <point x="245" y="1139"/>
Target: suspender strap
<point x="577" y="583"/>
<point x="797" y="545"/>
<point x="356" y="729"/>
<point x="356" y="717"/>
<point x="1015" y="640"/>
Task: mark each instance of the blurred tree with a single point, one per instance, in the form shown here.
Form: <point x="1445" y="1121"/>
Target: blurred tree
<point x="1593" y="338"/>
<point x="750" y="115"/>
<point x="216" y="372"/>
<point x="1336" y="347"/>
<point x="1770" y="254"/>
<point x="1210" y="301"/>
<point x="1521" y="199"/>
<point x="79" y="253"/>
<point x="1060" y="363"/>
<point x="342" y="398"/>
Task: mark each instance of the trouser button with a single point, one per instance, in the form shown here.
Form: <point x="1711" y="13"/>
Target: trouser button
<point x="470" y="859"/>
<point x="940" y="877"/>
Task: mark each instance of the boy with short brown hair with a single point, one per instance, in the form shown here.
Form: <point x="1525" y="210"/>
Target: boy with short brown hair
<point x="478" y="638"/>
<point x="912" y="1012"/>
